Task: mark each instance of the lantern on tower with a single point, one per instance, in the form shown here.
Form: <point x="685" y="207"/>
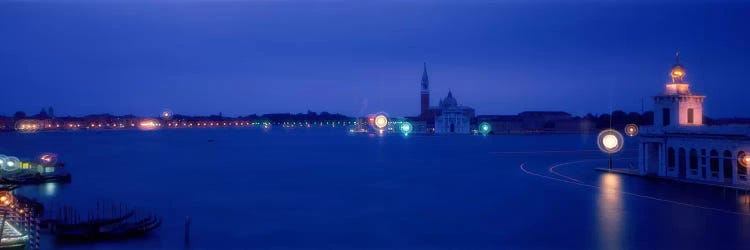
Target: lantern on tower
<point x="678" y="71"/>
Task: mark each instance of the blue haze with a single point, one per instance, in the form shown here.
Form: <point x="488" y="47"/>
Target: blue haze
<point x="318" y="188"/>
<point x="239" y="58"/>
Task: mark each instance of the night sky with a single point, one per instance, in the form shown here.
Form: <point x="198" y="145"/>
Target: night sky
<point x="241" y="58"/>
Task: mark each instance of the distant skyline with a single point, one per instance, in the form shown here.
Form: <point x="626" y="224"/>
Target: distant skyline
<point x="241" y="58"/>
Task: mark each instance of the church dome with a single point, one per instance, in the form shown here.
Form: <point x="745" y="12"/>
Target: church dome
<point x="449" y="101"/>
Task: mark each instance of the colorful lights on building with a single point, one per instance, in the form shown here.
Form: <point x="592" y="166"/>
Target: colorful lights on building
<point x="48" y="159"/>
<point x="148" y="124"/>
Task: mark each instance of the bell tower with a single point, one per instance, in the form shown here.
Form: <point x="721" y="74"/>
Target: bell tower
<point x="425" y="93"/>
<point x="677" y="106"/>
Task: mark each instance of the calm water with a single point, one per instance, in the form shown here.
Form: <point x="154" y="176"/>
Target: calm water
<point x="318" y="188"/>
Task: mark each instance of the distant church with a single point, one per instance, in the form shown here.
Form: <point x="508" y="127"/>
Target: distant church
<point x="678" y="145"/>
<point x="448" y="117"/>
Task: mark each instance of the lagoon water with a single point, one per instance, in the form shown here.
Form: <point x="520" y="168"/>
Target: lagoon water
<point x="322" y="188"/>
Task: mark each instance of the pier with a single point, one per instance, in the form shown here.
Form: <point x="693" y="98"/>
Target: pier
<point x="634" y="172"/>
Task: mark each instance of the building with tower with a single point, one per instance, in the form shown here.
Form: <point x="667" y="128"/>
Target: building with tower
<point x="680" y="146"/>
<point x="446" y="118"/>
<point x="424" y="97"/>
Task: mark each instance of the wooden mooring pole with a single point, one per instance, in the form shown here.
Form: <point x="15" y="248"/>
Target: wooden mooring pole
<point x="187" y="230"/>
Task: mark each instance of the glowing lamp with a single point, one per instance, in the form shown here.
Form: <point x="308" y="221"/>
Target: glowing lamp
<point x="631" y="129"/>
<point x="48" y="159"/>
<point x="11" y="164"/>
<point x="148" y="124"/>
<point x="743" y="159"/>
<point x="485" y="128"/>
<point x="406" y="128"/>
<point x="610" y="141"/>
<point x="381" y="121"/>
<point x="166" y="114"/>
<point x="677" y="73"/>
<point x="26" y="126"/>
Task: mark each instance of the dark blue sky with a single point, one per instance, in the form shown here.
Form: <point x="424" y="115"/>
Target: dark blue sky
<point x="259" y="57"/>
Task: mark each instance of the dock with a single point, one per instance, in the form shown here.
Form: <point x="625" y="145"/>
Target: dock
<point x="634" y="172"/>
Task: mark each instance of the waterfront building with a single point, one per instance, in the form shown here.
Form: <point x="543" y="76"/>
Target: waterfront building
<point x="446" y="118"/>
<point x="426" y="113"/>
<point x="424" y="95"/>
<point x="452" y="118"/>
<point x="541" y="120"/>
<point x="502" y="124"/>
<point x="680" y="146"/>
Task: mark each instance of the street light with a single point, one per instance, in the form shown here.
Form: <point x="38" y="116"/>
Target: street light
<point x="11" y="164"/>
<point x="485" y="128"/>
<point x="166" y="114"/>
<point x="406" y="128"/>
<point x="381" y="121"/>
<point x="631" y="129"/>
<point x="610" y="141"/>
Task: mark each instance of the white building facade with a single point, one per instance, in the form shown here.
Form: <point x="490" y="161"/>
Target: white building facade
<point x="452" y="118"/>
<point x="678" y="145"/>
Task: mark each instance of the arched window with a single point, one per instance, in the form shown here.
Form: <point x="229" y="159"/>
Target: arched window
<point x="670" y="159"/>
<point x="703" y="163"/>
<point x="714" y="163"/>
<point x="693" y="160"/>
<point x="728" y="164"/>
<point x="681" y="159"/>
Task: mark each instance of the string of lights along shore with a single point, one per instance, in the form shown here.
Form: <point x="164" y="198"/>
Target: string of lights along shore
<point x="448" y="117"/>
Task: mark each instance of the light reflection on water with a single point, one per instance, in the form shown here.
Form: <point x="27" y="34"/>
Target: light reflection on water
<point x="610" y="211"/>
<point x="50" y="189"/>
<point x="743" y="201"/>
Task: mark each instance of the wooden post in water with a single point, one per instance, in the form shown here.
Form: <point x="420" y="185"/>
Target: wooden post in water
<point x="187" y="230"/>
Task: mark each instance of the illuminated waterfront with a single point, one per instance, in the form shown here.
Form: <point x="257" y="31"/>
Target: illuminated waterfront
<point x="323" y="188"/>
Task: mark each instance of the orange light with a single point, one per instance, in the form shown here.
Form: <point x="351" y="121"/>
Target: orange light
<point x="381" y="121"/>
<point x="148" y="124"/>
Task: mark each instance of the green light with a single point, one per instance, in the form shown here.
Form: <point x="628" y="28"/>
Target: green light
<point x="406" y="128"/>
<point x="485" y="128"/>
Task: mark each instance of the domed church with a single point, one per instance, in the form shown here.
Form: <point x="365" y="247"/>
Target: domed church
<point x="448" y="117"/>
<point x="452" y="118"/>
